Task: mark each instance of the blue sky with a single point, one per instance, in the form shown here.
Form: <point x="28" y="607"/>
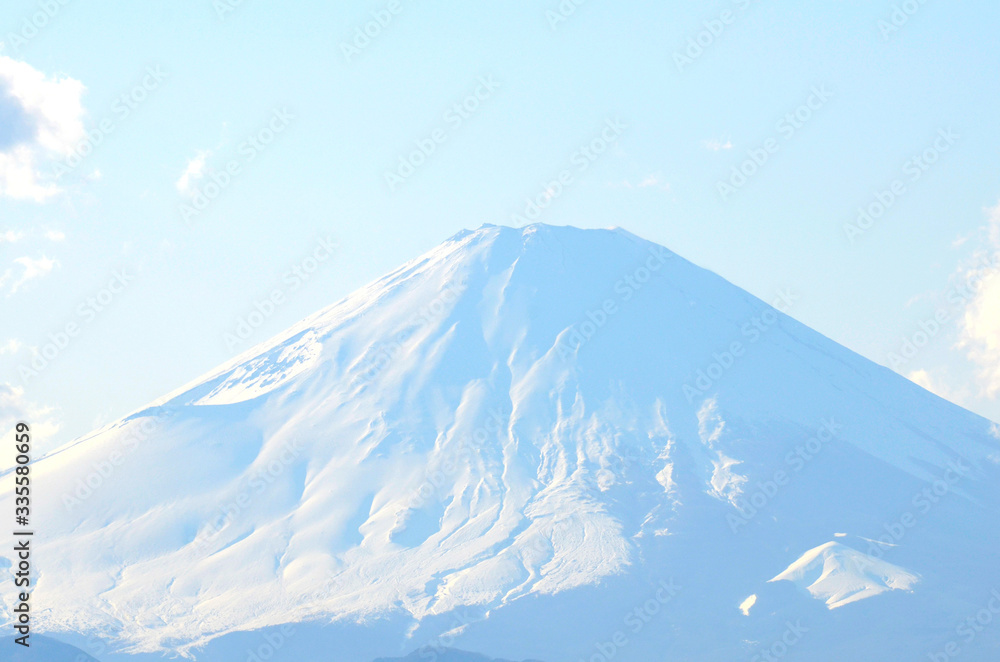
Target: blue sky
<point x="117" y="117"/>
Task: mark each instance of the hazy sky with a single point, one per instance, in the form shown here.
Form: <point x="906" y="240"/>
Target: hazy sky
<point x="165" y="165"/>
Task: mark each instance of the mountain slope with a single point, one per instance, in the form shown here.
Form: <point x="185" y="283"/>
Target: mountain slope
<point x="516" y="425"/>
<point x="42" y="648"/>
<point x="441" y="655"/>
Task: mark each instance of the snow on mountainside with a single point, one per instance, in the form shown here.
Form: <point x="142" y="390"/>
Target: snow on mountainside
<point x="524" y="443"/>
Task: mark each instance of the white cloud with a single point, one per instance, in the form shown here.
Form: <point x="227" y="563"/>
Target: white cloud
<point x="42" y="122"/>
<point x="25" y="269"/>
<point x="650" y="181"/>
<point x="12" y="346"/>
<point x="994" y="226"/>
<point x="923" y="379"/>
<point x="715" y="144"/>
<point x="943" y="383"/>
<point x="193" y="172"/>
<point x="14" y="408"/>
<point x="980" y="323"/>
<point x="981" y="332"/>
<point x="653" y="181"/>
<point x="11" y="236"/>
<point x="55" y="235"/>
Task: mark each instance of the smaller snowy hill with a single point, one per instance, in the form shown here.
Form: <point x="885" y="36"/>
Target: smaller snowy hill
<point x="840" y="575"/>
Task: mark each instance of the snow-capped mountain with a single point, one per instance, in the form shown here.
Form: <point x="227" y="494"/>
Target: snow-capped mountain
<point x="543" y="443"/>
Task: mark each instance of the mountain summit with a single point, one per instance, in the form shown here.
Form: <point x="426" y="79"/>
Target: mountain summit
<point x="544" y="443"/>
